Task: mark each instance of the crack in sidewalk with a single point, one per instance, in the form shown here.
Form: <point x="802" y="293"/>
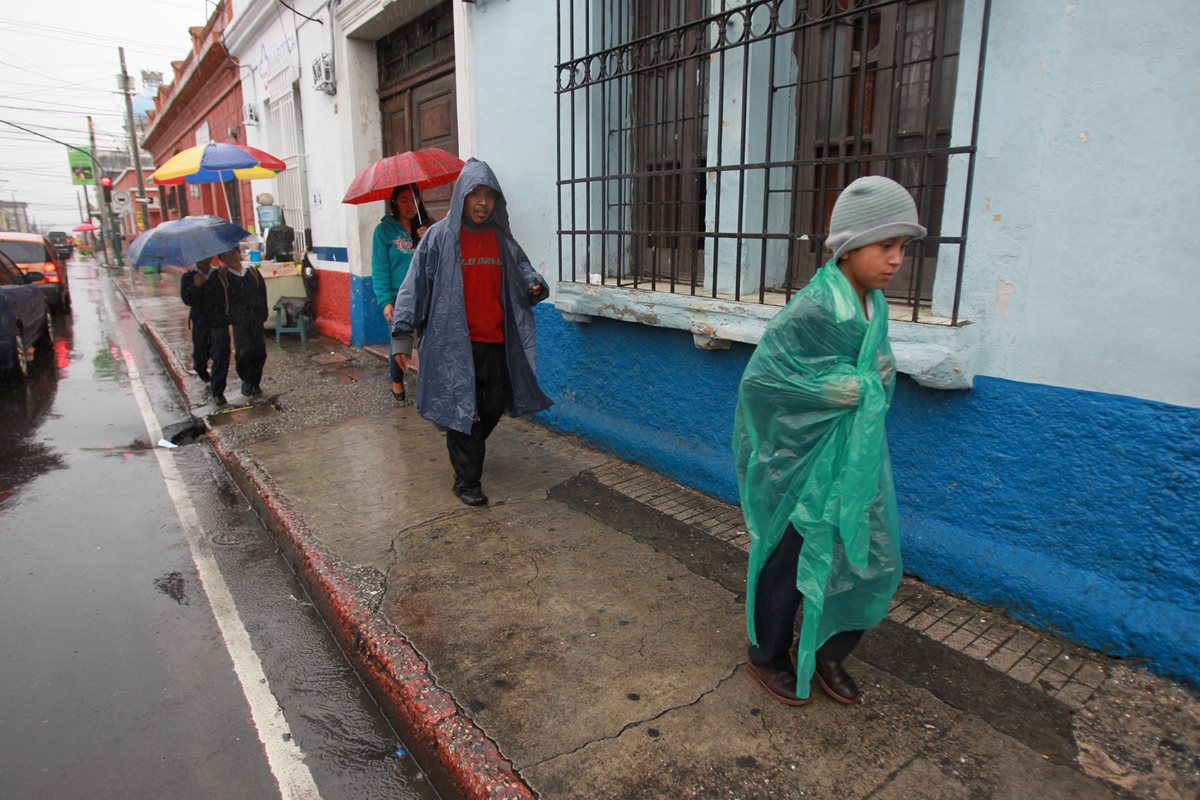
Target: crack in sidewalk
<point x="537" y="568"/>
<point x="639" y="722"/>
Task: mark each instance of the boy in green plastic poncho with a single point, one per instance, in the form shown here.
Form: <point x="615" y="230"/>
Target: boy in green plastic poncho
<point x="811" y="452"/>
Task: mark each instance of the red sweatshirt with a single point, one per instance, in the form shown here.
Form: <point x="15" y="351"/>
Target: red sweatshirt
<point x="482" y="283"/>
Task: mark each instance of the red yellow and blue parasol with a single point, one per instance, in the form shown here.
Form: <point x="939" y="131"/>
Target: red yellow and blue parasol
<point x="216" y="162"/>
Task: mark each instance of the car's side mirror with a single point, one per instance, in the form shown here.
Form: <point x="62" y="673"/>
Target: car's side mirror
<point x="34" y="277"/>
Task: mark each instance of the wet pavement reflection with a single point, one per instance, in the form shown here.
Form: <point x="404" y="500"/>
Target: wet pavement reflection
<point x="116" y="680"/>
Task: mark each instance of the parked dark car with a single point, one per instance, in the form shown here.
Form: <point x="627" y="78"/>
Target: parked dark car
<point x="24" y="318"/>
<point x="33" y="252"/>
<point x="64" y="245"/>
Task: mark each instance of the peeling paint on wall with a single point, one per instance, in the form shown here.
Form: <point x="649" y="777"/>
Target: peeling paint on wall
<point x="1004" y="291"/>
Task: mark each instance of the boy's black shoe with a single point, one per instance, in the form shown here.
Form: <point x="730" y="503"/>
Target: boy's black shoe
<point x="203" y="375"/>
<point x="220" y="400"/>
<point x="255" y="390"/>
<point x="457" y="488"/>
<point x="836" y="682"/>
<point x="472" y="496"/>
<point x="247" y="389"/>
<point x="779" y="683"/>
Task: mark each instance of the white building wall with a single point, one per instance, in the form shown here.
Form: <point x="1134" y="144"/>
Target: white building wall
<point x="263" y="40"/>
<point x="1083" y="243"/>
<point x="1082" y="236"/>
<point x="508" y="83"/>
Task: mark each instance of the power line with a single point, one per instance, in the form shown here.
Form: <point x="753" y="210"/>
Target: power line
<point x="42" y="75"/>
<point x="53" y="102"/>
<point x="51" y="138"/>
<point x="73" y="111"/>
<point x="44" y="89"/>
<point x="68" y="130"/>
<point x="84" y="35"/>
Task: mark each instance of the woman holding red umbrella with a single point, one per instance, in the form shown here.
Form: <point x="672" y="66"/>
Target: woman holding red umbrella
<point x="396" y="237"/>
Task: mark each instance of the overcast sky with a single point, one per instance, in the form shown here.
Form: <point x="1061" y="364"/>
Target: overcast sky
<point x="58" y="64"/>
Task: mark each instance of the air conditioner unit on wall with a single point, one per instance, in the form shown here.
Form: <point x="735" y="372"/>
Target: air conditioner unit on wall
<point x="250" y="114"/>
<point x="323" y="74"/>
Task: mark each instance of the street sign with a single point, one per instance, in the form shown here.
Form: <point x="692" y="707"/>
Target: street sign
<point x="80" y="161"/>
<point x="121" y="200"/>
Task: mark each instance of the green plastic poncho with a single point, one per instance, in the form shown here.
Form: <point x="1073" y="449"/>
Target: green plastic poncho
<point x="811" y="449"/>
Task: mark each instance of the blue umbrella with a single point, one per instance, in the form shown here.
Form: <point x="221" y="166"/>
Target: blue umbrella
<point x="183" y="242"/>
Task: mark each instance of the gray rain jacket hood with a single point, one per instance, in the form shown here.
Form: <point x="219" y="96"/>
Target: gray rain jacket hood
<point x="430" y="306"/>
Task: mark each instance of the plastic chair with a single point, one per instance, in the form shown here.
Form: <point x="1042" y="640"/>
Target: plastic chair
<point x="295" y="314"/>
<point x="292" y="315"/>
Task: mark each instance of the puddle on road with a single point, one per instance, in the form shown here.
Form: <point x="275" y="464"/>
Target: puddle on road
<point x="124" y="450"/>
<point x="171" y="585"/>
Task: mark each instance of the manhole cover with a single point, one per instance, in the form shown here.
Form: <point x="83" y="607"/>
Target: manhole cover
<point x="241" y="412"/>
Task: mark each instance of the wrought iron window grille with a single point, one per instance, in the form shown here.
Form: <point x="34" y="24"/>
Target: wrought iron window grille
<point x="701" y="152"/>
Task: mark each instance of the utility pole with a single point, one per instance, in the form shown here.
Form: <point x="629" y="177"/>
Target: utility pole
<point x="79" y="202"/>
<point x="114" y="237"/>
<point x="135" y="152"/>
<point x="87" y="201"/>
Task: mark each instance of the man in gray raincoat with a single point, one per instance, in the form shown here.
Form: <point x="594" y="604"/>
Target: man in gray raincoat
<point x="468" y="298"/>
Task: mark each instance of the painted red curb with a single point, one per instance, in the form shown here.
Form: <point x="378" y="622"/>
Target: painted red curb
<point x="178" y="371"/>
<point x="459" y="759"/>
<point x="454" y="753"/>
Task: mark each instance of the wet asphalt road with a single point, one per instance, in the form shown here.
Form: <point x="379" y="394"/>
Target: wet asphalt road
<point x="115" y="678"/>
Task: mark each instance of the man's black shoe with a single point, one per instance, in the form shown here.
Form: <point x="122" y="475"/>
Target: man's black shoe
<point x="255" y="390"/>
<point x="472" y="496"/>
<point x="836" y="682"/>
<point x="247" y="389"/>
<point x="204" y="376"/>
<point x="779" y="683"/>
<point x="457" y="488"/>
<point x="220" y="400"/>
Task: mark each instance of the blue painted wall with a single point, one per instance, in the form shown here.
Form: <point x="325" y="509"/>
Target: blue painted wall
<point x="1076" y="511"/>
<point x="367" y="324"/>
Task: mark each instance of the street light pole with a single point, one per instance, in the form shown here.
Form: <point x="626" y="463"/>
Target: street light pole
<point x="114" y="237"/>
<point x="135" y="152"/>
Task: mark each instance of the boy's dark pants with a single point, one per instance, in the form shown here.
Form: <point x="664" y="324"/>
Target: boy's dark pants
<point x="491" y="397"/>
<point x="397" y="374"/>
<point x="250" y="351"/>
<point x="218" y="344"/>
<point x="776" y="603"/>
<point x="201" y="345"/>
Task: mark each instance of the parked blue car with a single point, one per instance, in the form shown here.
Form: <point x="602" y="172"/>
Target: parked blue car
<point x="24" y="318"/>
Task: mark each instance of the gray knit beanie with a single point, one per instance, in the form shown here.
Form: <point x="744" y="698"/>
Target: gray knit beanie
<point x="872" y="209"/>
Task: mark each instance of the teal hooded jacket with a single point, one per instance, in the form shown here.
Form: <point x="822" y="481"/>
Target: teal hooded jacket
<point x="391" y="253"/>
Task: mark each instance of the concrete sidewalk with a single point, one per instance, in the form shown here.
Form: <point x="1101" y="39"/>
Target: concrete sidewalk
<point x="582" y="636"/>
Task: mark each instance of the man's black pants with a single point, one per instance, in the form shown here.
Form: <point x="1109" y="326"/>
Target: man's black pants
<point x="776" y="603"/>
<point x="201" y="345"/>
<point x="491" y="397"/>
<point x="218" y="344"/>
<point x="249" y="351"/>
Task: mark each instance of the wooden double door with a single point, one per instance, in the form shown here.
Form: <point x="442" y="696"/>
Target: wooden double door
<point x="421" y="111"/>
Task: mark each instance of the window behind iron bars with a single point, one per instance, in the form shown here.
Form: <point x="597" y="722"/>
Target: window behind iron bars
<point x="701" y="151"/>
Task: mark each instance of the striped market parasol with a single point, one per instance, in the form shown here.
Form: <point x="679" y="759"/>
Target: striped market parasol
<point x="216" y="162"/>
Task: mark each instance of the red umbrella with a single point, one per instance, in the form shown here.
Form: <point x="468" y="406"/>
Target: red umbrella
<point x="84" y="227"/>
<point x="425" y="168"/>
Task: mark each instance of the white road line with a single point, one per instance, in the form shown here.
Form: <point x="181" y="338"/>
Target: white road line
<point x="284" y="757"/>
